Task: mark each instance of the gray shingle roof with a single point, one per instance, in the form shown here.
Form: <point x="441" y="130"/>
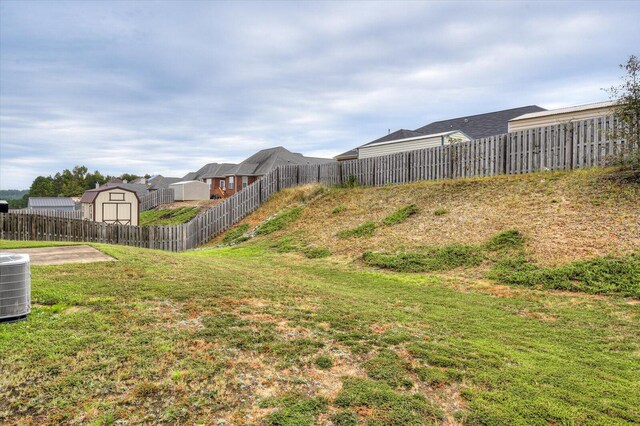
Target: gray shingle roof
<point x="475" y="126"/>
<point x="139" y="189"/>
<point x="264" y="161"/>
<point x="214" y="170"/>
<point x="190" y="176"/>
<point x="480" y="125"/>
<point x="42" y="202"/>
<point x="161" y="182"/>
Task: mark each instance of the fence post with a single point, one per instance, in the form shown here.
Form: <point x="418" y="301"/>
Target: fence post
<point x="504" y="142"/>
<point x="569" y="134"/>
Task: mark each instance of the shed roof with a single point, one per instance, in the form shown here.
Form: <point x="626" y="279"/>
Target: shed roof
<point x="139" y="189"/>
<point x="188" y="182"/>
<point x="90" y="195"/>
<point x="264" y="161"/>
<point x="51" y="202"/>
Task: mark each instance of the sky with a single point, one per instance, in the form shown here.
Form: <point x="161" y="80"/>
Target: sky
<point x="165" y="87"/>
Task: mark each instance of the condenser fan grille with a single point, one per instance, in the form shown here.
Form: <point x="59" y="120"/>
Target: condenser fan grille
<point x="15" y="286"/>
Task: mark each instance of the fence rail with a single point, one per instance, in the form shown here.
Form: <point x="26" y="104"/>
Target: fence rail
<point x="559" y="147"/>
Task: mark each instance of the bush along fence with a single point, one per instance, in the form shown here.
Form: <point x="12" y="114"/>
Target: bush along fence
<point x="560" y="147"/>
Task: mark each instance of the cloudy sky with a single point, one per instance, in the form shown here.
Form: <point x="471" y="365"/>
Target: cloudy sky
<point x="164" y="87"/>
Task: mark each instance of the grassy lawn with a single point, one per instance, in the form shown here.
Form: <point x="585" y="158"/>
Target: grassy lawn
<point x="252" y="336"/>
<point x="168" y="216"/>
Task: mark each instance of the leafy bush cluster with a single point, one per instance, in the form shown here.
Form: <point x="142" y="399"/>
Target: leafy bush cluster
<point x="364" y="230"/>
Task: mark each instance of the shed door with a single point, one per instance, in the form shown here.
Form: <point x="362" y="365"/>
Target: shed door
<point x="116" y="213"/>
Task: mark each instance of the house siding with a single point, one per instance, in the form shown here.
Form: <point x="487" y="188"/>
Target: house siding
<point x="559" y="118"/>
<point x="238" y="183"/>
<point x="409" y="145"/>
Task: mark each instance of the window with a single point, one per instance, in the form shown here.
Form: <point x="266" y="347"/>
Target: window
<point x="245" y="181"/>
<point x="210" y="182"/>
<point x="222" y="184"/>
<point x="116" y="196"/>
<point x="231" y="182"/>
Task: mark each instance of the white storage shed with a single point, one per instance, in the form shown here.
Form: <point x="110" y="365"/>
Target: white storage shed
<point x="190" y="190"/>
<point x="111" y="204"/>
<point x="411" y="144"/>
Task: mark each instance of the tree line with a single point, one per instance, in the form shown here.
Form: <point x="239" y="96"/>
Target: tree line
<point x="68" y="183"/>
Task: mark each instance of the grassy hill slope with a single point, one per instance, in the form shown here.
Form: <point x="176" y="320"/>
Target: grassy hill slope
<point x="563" y="216"/>
<point x="293" y="328"/>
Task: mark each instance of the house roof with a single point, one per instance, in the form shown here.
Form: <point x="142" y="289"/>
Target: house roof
<point x="190" y="176"/>
<point x="51" y="202"/>
<point x="90" y="195"/>
<point x="214" y="170"/>
<point x="480" y="125"/>
<point x="577" y="108"/>
<point x="474" y="126"/>
<point x="161" y="182"/>
<point x="264" y="161"/>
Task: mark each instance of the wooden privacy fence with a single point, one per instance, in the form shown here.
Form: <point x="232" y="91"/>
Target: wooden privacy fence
<point x="559" y="147"/>
<point x="69" y="214"/>
<point x="155" y="198"/>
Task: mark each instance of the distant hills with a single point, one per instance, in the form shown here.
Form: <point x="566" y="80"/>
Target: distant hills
<point x="12" y="194"/>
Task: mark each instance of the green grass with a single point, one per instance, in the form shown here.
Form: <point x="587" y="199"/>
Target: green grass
<point x="338" y="209"/>
<point x="200" y="336"/>
<point x="168" y="216"/>
<point x="235" y="235"/>
<point x="427" y="260"/>
<point x="607" y="275"/>
<point x="280" y="221"/>
<point x="364" y="230"/>
<point x="505" y="251"/>
<point x="440" y="212"/>
<point x="400" y="215"/>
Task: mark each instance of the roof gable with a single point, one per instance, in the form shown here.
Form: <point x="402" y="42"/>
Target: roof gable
<point x="264" y="161"/>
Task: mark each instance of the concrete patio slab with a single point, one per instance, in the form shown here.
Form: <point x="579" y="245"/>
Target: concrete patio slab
<point x="61" y="255"/>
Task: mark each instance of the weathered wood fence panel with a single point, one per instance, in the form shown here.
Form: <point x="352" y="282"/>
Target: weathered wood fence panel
<point x="559" y="147"/>
<point x="69" y="214"/>
<point x="155" y="198"/>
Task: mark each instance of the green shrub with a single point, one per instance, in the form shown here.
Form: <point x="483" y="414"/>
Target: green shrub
<point x="338" y="209"/>
<point x="508" y="240"/>
<point x="364" y="230"/>
<point x="430" y="259"/>
<point x="323" y="362"/>
<point x="606" y="275"/>
<point x="278" y="222"/>
<point x="317" y="252"/>
<point x="440" y="212"/>
<point x="235" y="234"/>
<point x="400" y="215"/>
<point x="350" y="182"/>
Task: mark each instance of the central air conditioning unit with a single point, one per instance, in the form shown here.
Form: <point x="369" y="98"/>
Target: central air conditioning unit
<point x="15" y="287"/>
